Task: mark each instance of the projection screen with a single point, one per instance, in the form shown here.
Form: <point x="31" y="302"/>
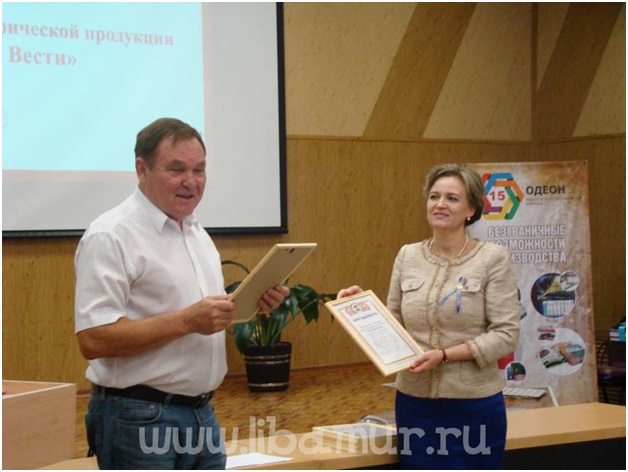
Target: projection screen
<point x="79" y="80"/>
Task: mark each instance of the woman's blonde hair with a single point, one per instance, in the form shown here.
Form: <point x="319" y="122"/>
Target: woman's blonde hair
<point x="470" y="179"/>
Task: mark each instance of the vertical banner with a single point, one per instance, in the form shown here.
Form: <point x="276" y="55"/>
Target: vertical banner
<point x="540" y="212"/>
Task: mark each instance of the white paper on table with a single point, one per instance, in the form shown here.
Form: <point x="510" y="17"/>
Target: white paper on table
<point x="254" y="458"/>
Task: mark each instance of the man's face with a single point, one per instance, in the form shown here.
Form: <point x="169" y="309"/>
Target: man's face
<point x="177" y="180"/>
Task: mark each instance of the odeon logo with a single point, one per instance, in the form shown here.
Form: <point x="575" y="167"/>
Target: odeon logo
<point x="502" y="196"/>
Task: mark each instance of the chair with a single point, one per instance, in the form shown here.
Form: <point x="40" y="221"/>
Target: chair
<point x="611" y="370"/>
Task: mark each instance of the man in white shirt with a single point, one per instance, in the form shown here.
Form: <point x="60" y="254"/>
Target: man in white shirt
<point x="150" y="314"/>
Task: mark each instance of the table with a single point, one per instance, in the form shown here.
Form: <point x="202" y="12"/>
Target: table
<point x="586" y="436"/>
<point x="554" y="437"/>
<point x="564" y="437"/>
<point x="38" y="423"/>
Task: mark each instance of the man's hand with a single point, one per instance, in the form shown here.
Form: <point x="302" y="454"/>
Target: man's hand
<point x="272" y="298"/>
<point x="127" y="337"/>
<point x="210" y="315"/>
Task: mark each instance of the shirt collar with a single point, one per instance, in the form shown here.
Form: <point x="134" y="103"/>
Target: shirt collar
<point x="157" y="217"/>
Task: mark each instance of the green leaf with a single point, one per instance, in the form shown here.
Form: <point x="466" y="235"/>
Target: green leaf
<point x="242" y="334"/>
<point x="237" y="264"/>
<point x="291" y="305"/>
<point x="327" y="297"/>
<point x="278" y="319"/>
<point x="232" y="287"/>
<point x="308" y="302"/>
<point x="278" y="324"/>
<point x="264" y="325"/>
<point x="303" y="291"/>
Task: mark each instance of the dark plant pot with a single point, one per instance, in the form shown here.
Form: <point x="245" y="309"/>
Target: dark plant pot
<point x="268" y="367"/>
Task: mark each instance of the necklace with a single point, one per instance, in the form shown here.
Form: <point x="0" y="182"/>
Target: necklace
<point x="460" y="253"/>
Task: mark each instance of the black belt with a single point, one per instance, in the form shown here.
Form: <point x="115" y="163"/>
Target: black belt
<point x="150" y="394"/>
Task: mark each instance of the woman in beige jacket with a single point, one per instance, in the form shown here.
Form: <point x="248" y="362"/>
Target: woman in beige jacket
<point x="458" y="298"/>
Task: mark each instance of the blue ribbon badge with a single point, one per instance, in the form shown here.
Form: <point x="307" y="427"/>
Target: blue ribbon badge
<point x="460" y="286"/>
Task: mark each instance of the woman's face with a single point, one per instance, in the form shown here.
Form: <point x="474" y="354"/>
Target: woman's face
<point x="448" y="206"/>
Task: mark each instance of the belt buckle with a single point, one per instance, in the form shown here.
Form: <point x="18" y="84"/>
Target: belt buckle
<point x="203" y="399"/>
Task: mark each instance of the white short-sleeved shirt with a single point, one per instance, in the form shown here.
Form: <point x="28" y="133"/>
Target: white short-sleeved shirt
<point x="134" y="261"/>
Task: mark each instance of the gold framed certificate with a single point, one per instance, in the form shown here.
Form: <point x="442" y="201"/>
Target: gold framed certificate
<point x="382" y="338"/>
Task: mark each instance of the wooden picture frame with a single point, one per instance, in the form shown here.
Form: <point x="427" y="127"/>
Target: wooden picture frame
<point x="357" y="437"/>
<point x="276" y="266"/>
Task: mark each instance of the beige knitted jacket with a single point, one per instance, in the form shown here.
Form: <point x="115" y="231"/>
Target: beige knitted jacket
<point x="470" y="299"/>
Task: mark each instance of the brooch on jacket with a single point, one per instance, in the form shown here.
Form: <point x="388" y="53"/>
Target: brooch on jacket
<point x="457" y="291"/>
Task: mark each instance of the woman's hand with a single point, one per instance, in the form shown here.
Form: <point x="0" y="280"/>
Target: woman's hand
<point x="347" y="292"/>
<point x="427" y="361"/>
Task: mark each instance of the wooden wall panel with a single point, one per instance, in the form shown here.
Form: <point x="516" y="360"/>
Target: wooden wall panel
<point x="604" y="111"/>
<point x="38" y="341"/>
<point x="487" y="94"/>
<point x="551" y="17"/>
<point x="337" y="57"/>
<point x="419" y="71"/>
<point x="572" y="68"/>
<point x="391" y="71"/>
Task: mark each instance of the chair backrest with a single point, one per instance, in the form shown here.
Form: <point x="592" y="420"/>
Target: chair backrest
<point x="616" y="352"/>
<point x="601" y="352"/>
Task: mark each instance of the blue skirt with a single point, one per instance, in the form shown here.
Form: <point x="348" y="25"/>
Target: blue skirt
<point x="449" y="433"/>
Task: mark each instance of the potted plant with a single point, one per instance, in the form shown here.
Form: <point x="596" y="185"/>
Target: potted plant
<point x="266" y="357"/>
